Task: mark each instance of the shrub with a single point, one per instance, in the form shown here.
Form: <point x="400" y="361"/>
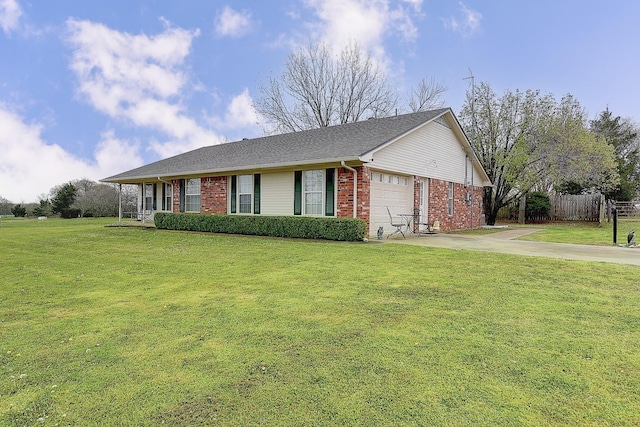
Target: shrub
<point x="538" y="206"/>
<point x="346" y="229"/>
<point x="19" y="211"/>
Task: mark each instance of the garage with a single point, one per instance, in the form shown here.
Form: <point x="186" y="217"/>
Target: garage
<point x="393" y="191"/>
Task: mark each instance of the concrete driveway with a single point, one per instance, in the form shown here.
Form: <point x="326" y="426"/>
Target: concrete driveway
<point x="502" y="242"/>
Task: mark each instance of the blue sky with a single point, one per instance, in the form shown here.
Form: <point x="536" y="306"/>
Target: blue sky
<point x="89" y="89"/>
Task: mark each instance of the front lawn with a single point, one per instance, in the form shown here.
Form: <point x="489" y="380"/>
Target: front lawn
<point x="143" y="327"/>
<point x="586" y="233"/>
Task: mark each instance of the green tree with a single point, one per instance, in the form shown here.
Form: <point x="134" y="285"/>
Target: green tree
<point x="63" y="200"/>
<point x="622" y="135"/>
<point x="19" y="211"/>
<point x="528" y="141"/>
<point x="43" y="208"/>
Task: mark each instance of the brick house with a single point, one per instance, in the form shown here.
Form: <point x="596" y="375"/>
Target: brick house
<point x="418" y="163"/>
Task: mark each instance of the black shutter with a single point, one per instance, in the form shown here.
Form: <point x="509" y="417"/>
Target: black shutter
<point x="182" y="191"/>
<point x="256" y="194"/>
<point x="297" y="193"/>
<point x="164" y="197"/>
<point x="234" y="180"/>
<point x="155" y="197"/>
<point x="329" y="192"/>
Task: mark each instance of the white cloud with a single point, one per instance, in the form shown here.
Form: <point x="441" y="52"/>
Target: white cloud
<point x="241" y="113"/>
<point x="138" y="78"/>
<point x="231" y="23"/>
<point x="367" y="22"/>
<point x="30" y="167"/>
<point x="113" y="155"/>
<point x="467" y="25"/>
<point x="10" y="13"/>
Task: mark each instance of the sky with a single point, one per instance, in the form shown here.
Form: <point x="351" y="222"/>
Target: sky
<point x="89" y="89"/>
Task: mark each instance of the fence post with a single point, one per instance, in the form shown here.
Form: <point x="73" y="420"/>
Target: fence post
<point x="615" y="225"/>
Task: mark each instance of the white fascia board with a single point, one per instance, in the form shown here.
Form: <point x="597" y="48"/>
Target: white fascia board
<point x="206" y="172"/>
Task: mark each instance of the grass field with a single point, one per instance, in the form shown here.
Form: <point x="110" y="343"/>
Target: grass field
<point x="583" y="232"/>
<point x="141" y="327"/>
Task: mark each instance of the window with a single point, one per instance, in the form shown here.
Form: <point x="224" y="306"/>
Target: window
<point x="192" y="195"/>
<point x="314" y="192"/>
<point x="148" y="197"/>
<point x="376" y="177"/>
<point x="451" y="199"/>
<point x="245" y="194"/>
<point x="167" y="197"/>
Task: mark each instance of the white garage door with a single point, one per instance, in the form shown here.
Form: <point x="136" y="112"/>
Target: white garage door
<point x="393" y="191"/>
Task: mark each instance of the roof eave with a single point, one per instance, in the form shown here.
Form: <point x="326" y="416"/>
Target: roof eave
<point x="206" y="172"/>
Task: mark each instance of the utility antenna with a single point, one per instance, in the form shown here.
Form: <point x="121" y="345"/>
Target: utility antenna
<point x="473" y="136"/>
<point x="473" y="100"/>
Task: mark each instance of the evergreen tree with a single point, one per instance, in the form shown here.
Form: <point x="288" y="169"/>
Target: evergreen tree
<point x="623" y="136"/>
<point x="19" y="210"/>
<point x="62" y="201"/>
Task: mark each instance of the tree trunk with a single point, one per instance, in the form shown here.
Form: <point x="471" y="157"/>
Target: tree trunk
<point x="490" y="207"/>
<point x="522" y="209"/>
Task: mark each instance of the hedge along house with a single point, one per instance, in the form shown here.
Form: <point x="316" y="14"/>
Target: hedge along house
<point x="414" y="162"/>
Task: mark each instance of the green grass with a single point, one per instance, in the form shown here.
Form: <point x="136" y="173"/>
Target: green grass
<point x="583" y="232"/>
<point x="142" y="327"/>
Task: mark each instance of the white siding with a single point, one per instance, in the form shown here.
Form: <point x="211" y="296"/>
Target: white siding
<point x="276" y="193"/>
<point x="433" y="151"/>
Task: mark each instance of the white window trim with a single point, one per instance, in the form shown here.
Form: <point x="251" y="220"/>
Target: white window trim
<point x="239" y="193"/>
<point x="322" y="192"/>
<point x="187" y="195"/>
<point x="148" y="199"/>
<point x="168" y="197"/>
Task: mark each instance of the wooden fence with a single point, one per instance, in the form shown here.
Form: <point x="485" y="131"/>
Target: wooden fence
<point x="565" y="207"/>
<point x="629" y="209"/>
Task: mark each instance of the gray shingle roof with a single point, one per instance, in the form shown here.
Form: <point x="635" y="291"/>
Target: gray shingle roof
<point x="335" y="143"/>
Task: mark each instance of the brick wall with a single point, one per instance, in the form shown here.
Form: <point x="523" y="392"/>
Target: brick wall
<point x="176" y="195"/>
<point x="461" y="218"/>
<point x="213" y="195"/>
<point x="344" y="186"/>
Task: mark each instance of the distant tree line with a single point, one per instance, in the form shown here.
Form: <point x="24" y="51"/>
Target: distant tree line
<point x="74" y="199"/>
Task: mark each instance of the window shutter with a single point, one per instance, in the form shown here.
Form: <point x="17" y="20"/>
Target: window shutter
<point x="329" y="192"/>
<point x="297" y="193"/>
<point x="164" y="197"/>
<point x="155" y="197"/>
<point x="256" y="194"/>
<point x="234" y="190"/>
<point x="183" y="185"/>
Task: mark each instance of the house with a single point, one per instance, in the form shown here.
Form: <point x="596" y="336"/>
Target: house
<point x="420" y="161"/>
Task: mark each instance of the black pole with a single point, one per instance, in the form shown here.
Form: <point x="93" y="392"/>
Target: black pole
<point x="615" y="225"/>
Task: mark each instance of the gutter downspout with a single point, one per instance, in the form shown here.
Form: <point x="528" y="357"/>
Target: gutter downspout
<point x="473" y="190"/>
<point x="355" y="187"/>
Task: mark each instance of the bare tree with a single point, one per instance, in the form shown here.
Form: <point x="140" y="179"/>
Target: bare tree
<point x="426" y="96"/>
<point x="102" y="200"/>
<point x="5" y="206"/>
<point x="319" y="89"/>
